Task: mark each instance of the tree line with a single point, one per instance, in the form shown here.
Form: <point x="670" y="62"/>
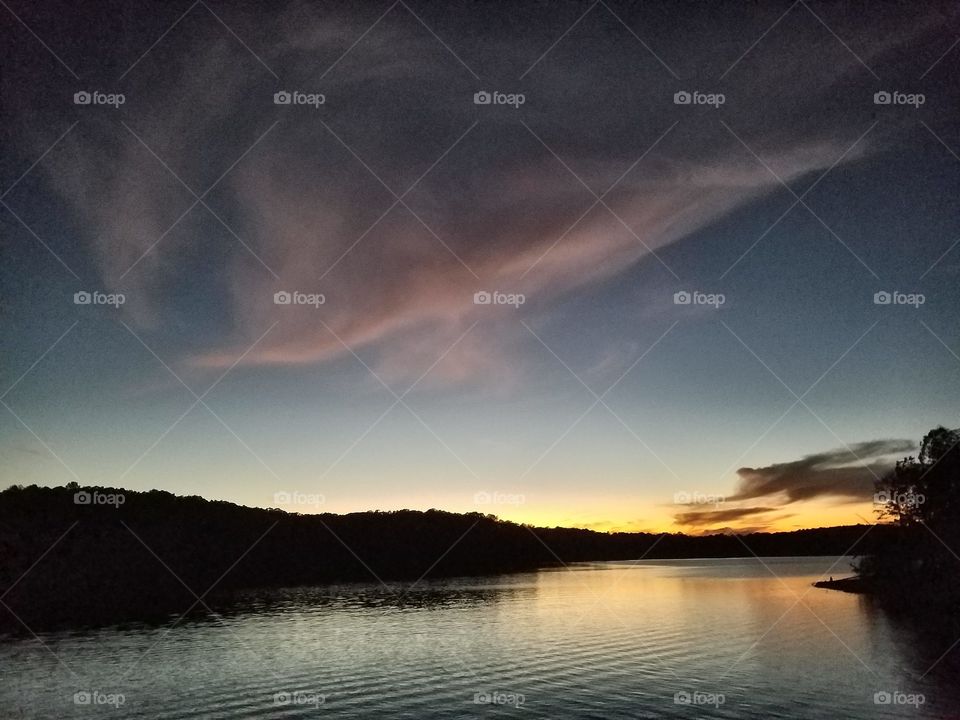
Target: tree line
<point x="153" y="554"/>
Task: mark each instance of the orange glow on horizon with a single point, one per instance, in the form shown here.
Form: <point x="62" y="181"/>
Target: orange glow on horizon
<point x="660" y="519"/>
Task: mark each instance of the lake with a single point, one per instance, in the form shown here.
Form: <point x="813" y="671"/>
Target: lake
<point x="731" y="638"/>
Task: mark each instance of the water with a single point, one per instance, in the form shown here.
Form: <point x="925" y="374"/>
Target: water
<point x="598" y="640"/>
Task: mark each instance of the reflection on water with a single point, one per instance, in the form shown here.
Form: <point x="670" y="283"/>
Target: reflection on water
<point x="687" y="638"/>
<point x="423" y="595"/>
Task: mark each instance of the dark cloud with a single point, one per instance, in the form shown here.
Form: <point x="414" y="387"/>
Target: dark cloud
<point x="699" y="518"/>
<point x="826" y="474"/>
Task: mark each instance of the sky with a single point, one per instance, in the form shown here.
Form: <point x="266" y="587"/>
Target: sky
<point x="687" y="270"/>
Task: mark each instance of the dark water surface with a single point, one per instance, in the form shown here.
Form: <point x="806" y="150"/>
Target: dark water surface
<point x="738" y="638"/>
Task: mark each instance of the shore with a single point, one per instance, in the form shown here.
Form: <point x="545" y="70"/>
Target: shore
<point x="855" y="584"/>
<point x="122" y="555"/>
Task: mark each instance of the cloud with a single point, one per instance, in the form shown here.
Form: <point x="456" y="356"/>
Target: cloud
<point x="826" y="474"/>
<point x="830" y="474"/>
<point x="307" y="208"/>
<point x="700" y="518"/>
<point x="401" y="281"/>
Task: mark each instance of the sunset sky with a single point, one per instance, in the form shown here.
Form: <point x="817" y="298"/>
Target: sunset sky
<point x="599" y="401"/>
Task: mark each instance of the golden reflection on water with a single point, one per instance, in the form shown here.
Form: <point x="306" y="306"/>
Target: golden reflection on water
<point x="592" y="640"/>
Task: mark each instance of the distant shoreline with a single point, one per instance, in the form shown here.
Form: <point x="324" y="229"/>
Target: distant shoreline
<point x="856" y="585"/>
<point x="67" y="560"/>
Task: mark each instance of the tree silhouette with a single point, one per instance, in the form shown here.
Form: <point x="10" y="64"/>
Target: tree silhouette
<point x="916" y="568"/>
<point x="926" y="488"/>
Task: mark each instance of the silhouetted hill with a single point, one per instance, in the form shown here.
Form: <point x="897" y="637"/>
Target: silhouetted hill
<point x="102" y="563"/>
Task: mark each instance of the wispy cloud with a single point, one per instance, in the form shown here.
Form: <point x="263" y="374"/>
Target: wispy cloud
<point x="399" y="289"/>
<point x="700" y="518"/>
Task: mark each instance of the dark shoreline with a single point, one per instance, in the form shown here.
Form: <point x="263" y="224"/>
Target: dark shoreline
<point x="66" y="564"/>
<point x="856" y="584"/>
